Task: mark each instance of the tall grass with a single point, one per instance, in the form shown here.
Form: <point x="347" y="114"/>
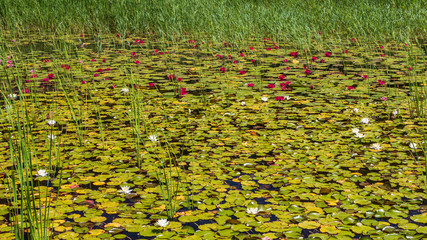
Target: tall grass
<point x="234" y="20"/>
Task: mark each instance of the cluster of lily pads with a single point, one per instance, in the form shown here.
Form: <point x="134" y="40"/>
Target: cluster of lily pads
<point x="181" y="140"/>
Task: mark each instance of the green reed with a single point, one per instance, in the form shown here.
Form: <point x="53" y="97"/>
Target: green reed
<point x="30" y="201"/>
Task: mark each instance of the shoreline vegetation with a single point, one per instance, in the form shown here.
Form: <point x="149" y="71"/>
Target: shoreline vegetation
<point x="293" y="21"/>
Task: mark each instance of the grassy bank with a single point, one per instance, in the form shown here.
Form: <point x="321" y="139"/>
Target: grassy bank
<point x="296" y="21"/>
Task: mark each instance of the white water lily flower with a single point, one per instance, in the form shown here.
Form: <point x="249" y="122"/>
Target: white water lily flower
<point x="365" y="120"/>
<point x="243" y="103"/>
<point x="413" y="145"/>
<point x="42" y="173"/>
<point x="254" y="210"/>
<point x="376" y="146"/>
<point x="395" y="112"/>
<point x="152" y="138"/>
<point x="51" y="122"/>
<point x="13" y="96"/>
<point x="355" y="130"/>
<point x="162" y="222"/>
<point x="356" y="110"/>
<point x="265" y="99"/>
<point x="51" y="136"/>
<point x="287" y="98"/>
<point x="360" y="135"/>
<point x="124" y="90"/>
<point x="125" y="190"/>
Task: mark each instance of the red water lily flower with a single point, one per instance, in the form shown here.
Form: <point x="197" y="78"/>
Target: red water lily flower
<point x="280" y="98"/>
<point x="92" y="60"/>
<point x="242" y="54"/>
<point x="384" y="98"/>
<point x="45" y="79"/>
<point x="345" y="51"/>
<point x="51" y="76"/>
<point x="276" y="47"/>
<point x="285" y="84"/>
<point x="253" y="61"/>
<point x="137" y="62"/>
<point x="327" y="54"/>
<point x="282" y="77"/>
<point x="268" y="49"/>
<point x="25" y="90"/>
<point x="307" y="72"/>
<point x="220" y="56"/>
<point x="46" y="60"/>
<point x="242" y="72"/>
<point x="222" y="69"/>
<point x="285" y="60"/>
<point x="171" y="77"/>
<point x="313" y="58"/>
<point x="151" y="85"/>
<point x="350" y="88"/>
<point x="83" y="82"/>
<point x="271" y="85"/>
<point x="322" y="61"/>
<point x="311" y="87"/>
<point x="183" y="91"/>
<point x="250" y="85"/>
<point x="96" y="75"/>
<point x="235" y="61"/>
<point x="179" y="79"/>
<point x="293" y="54"/>
<point x="365" y="76"/>
<point x="100" y="70"/>
<point x="34" y="75"/>
<point x="251" y="48"/>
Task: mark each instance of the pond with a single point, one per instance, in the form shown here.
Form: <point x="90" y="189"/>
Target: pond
<point x="143" y="139"/>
